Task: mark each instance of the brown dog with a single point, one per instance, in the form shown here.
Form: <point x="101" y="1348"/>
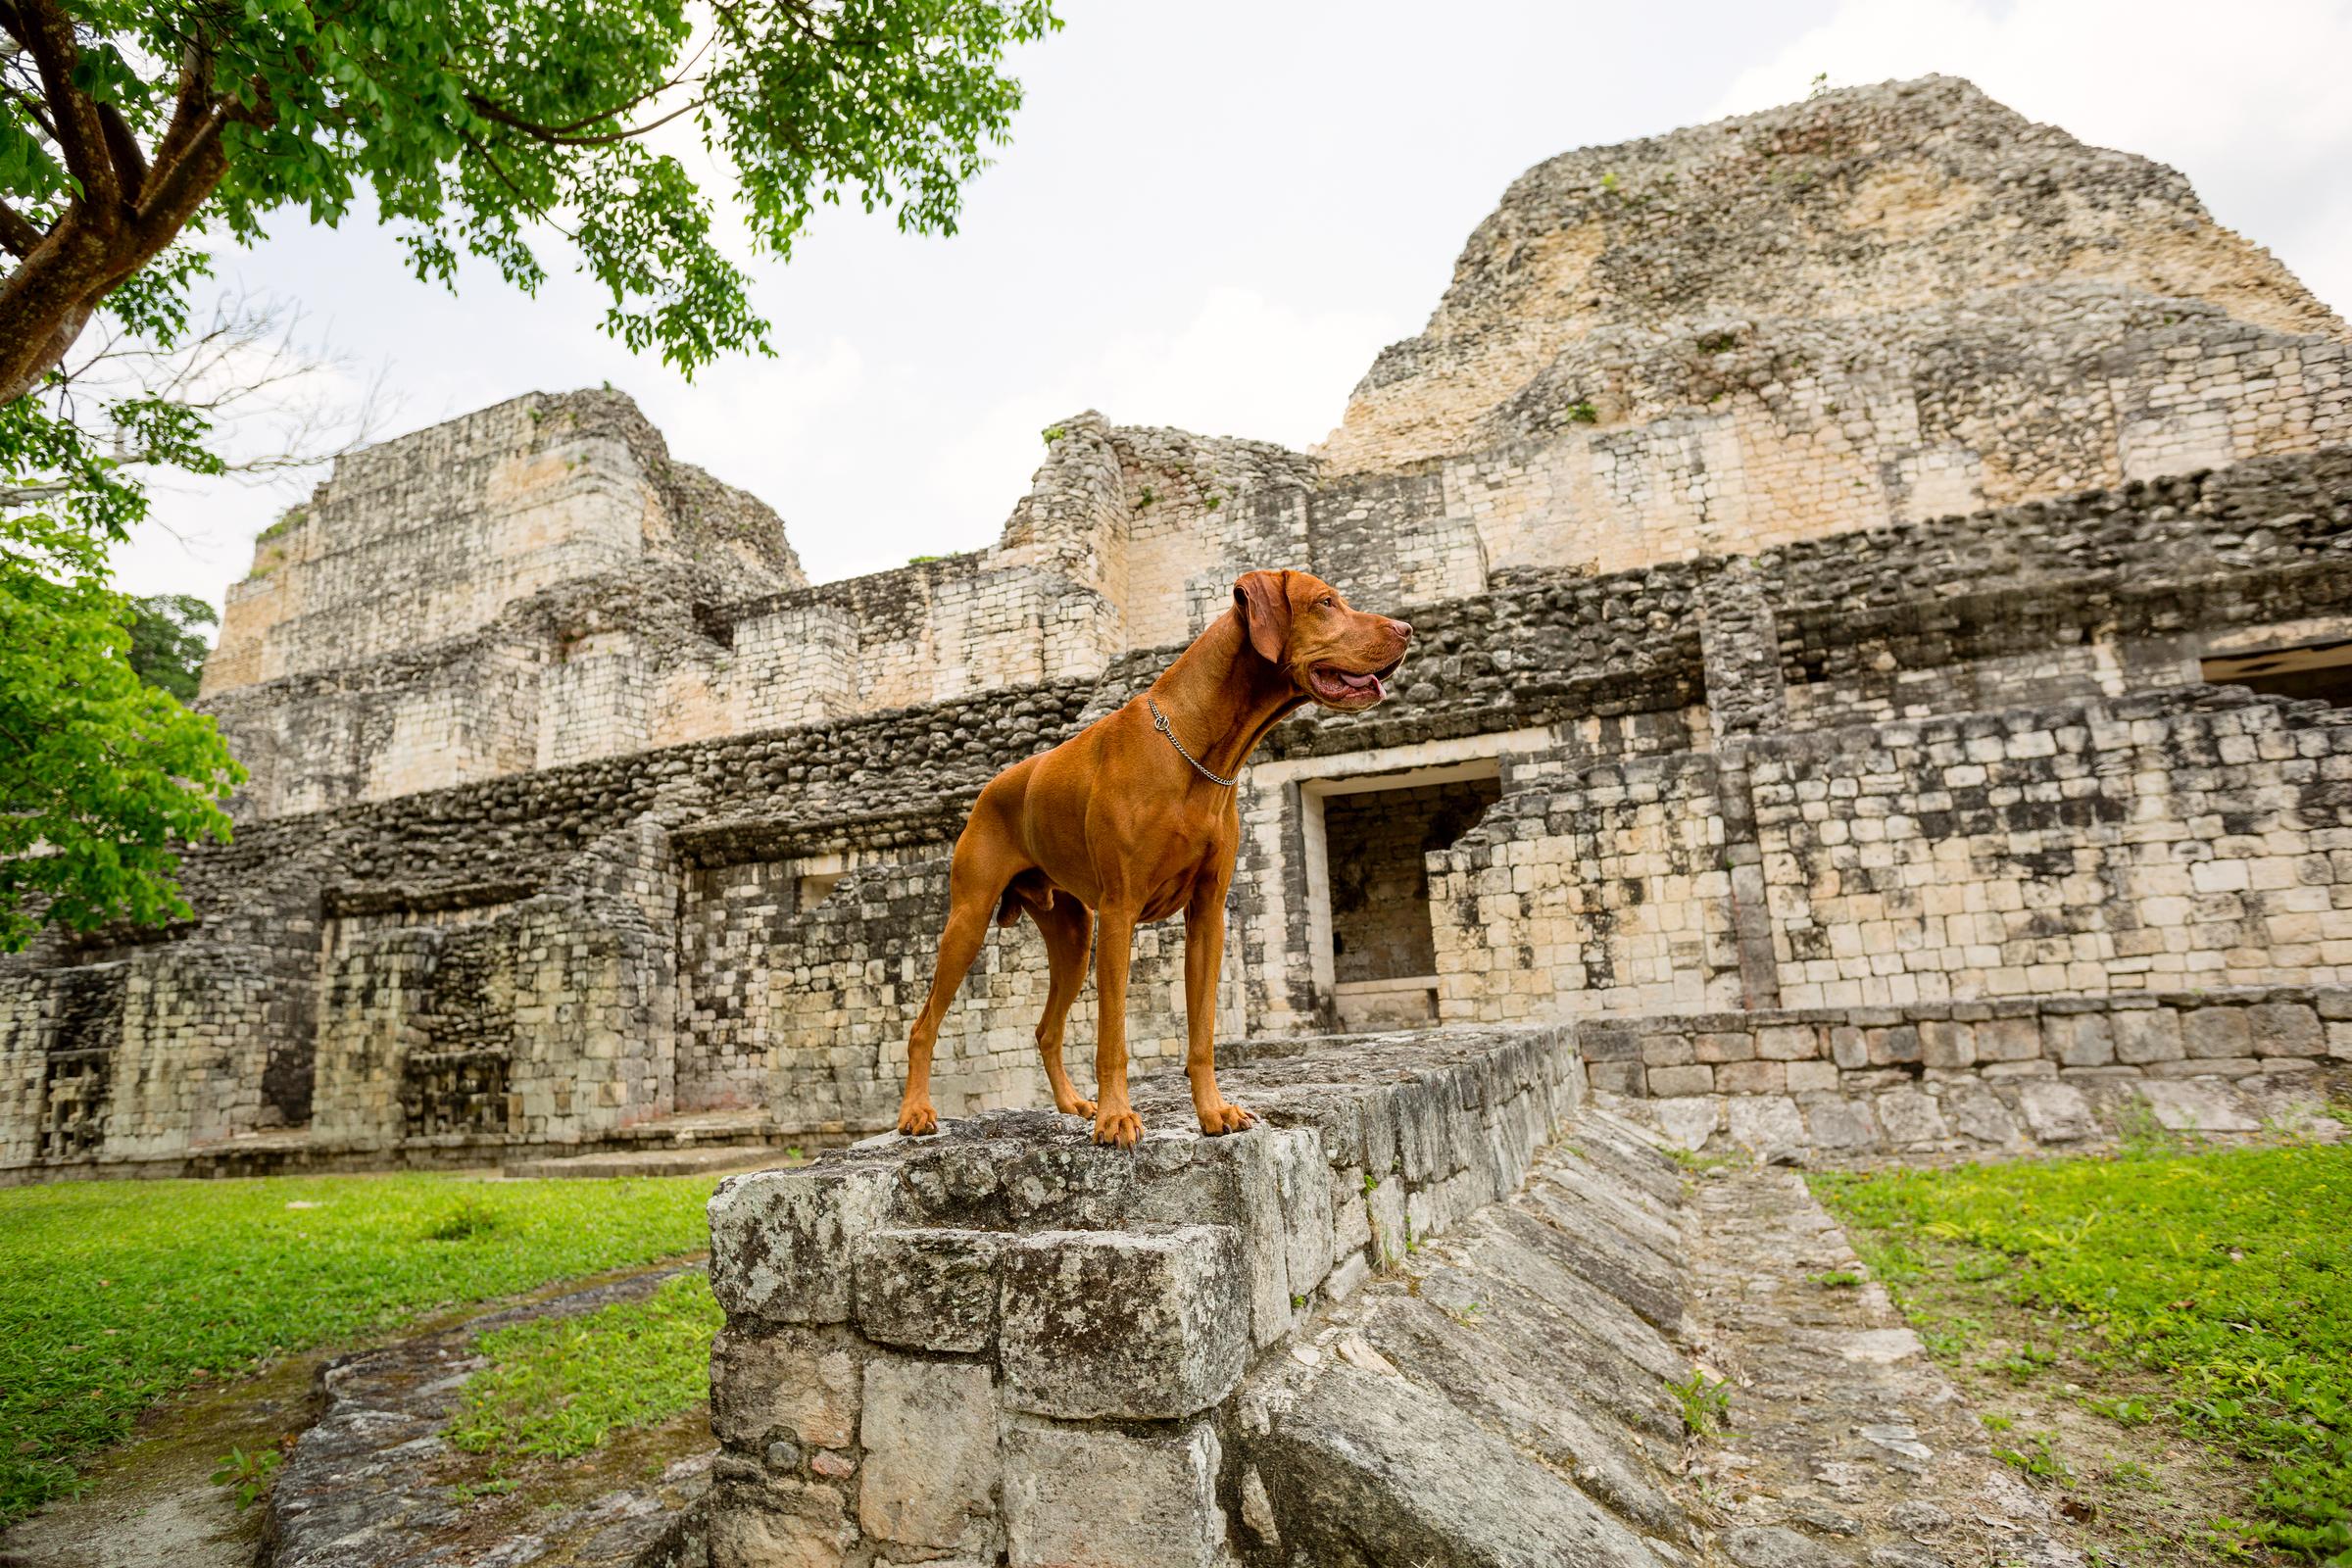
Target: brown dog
<point x="1121" y="823"/>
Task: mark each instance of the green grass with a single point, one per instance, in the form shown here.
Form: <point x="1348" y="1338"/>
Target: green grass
<point x="2226" y="1276"/>
<point x="114" y="1294"/>
<point x="558" y="1388"/>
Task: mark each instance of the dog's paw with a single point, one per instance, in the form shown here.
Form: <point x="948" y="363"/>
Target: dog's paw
<point x="918" y="1119"/>
<point x="1078" y="1107"/>
<point x="1118" y="1128"/>
<point x="1225" y="1117"/>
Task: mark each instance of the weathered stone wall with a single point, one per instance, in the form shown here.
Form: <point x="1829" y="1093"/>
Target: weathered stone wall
<point x="1707" y="800"/>
<point x="1982" y="1077"/>
<point x="1896" y="325"/>
<point x="635" y="825"/>
<point x="1840" y="215"/>
<point x="427" y="538"/>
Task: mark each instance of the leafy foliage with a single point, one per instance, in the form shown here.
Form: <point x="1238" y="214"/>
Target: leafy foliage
<point x="557" y="1387"/>
<point x="478" y="126"/>
<point x="2230" y="1274"/>
<point x="166" y="651"/>
<point x="102" y="777"/>
<point x="114" y="1295"/>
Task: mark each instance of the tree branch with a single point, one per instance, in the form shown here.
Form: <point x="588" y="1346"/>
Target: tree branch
<point x="130" y="164"/>
<point x="555" y="136"/>
<point x="18" y="236"/>
<point x="81" y="137"/>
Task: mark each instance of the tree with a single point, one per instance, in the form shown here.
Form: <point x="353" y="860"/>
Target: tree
<point x="131" y="128"/>
<point x="102" y="777"/>
<point x="166" y="651"/>
<point x="128" y="124"/>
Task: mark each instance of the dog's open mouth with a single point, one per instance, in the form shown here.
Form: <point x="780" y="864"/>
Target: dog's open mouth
<point x="1347" y="688"/>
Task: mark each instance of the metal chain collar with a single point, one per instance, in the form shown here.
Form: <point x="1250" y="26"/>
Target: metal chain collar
<point x="1160" y="722"/>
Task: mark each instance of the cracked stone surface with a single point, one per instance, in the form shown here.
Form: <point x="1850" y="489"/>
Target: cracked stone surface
<point x="371" y="1483"/>
<point x="1846" y="1445"/>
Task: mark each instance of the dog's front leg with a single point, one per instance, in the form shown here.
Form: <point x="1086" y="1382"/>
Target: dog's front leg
<point x="1203" y="958"/>
<point x="1115" y="1121"/>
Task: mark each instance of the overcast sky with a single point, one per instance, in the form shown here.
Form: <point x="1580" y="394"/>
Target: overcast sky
<point x="1212" y="214"/>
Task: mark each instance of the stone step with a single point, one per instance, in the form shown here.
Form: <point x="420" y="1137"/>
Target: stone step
<point x="717" y="1160"/>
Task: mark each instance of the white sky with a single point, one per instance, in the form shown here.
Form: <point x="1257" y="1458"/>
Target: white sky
<point x="1213" y="214"/>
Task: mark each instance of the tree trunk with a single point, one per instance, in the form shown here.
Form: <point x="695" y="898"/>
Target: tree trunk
<point x="46" y="302"/>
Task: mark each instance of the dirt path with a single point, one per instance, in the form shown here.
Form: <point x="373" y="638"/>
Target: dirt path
<point x="1845" y="1444"/>
<point x="152" y="1503"/>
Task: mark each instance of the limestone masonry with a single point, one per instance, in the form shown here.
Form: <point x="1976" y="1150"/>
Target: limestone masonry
<point x="1882" y="577"/>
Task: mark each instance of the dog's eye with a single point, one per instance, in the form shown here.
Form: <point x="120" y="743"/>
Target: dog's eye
<point x="1328" y="602"/>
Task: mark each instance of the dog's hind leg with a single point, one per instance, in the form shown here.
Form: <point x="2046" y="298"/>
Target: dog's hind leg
<point x="1068" y="927"/>
<point x="974" y="880"/>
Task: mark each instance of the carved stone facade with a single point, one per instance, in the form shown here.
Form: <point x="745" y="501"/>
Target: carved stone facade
<point x="1823" y="532"/>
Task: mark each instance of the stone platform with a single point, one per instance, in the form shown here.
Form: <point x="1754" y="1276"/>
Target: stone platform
<point x="1002" y="1343"/>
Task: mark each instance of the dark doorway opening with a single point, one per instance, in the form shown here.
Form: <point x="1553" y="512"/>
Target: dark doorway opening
<point x="1383" y="946"/>
<point x="2321" y="671"/>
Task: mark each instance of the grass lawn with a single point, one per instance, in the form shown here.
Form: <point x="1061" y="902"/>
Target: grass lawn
<point x="114" y="1295"/>
<point x="558" y="1388"/>
<point x="2163" y="1339"/>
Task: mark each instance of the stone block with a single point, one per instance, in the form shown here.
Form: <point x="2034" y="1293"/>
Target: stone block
<point x="1237" y="1182"/>
<point x="1911" y="1119"/>
<point x="1976" y="1112"/>
<point x="1302" y="1199"/>
<point x="1098" y="1497"/>
<point x="786" y="1523"/>
<point x="1947" y="1044"/>
<point x="1805" y="1076"/>
<point x="780" y="1240"/>
<point x="1616" y="1078"/>
<point x="1848" y="1047"/>
<point x="2078" y="1039"/>
<point x="1731" y="1046"/>
<point x="1145" y="1325"/>
<point x="1665" y="1082"/>
<point x="2006" y="1071"/>
<point x="929" y="1290"/>
<point x="1788" y="1043"/>
<point x="793" y="1382"/>
<point x="2285" y="1029"/>
<point x="2056" y="1112"/>
<point x="2204" y="1068"/>
<point x="2008" y="1040"/>
<point x="1840" y="1125"/>
<point x="2191" y="1106"/>
<point x="1892" y="1048"/>
<point x="1384" y="1207"/>
<point x="1351" y="1224"/>
<point x="1752" y="1078"/>
<point x="1667" y="1050"/>
<point x="2217" y="1032"/>
<point x="929" y="1429"/>
<point x="2339" y="1040"/>
<point x="1765" y="1122"/>
<point x="2147" y="1034"/>
<point x="1688" y="1123"/>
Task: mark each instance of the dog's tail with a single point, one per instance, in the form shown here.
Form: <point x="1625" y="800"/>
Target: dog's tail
<point x="1029" y="889"/>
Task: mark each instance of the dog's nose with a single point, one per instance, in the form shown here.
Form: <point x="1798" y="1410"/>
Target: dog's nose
<point x="1405" y="633"/>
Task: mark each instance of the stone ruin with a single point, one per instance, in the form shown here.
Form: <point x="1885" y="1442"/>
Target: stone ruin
<point x="1882" y="570"/>
<point x="1884" y="581"/>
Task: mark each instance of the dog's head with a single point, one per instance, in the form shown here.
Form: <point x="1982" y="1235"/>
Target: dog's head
<point x="1338" y="657"/>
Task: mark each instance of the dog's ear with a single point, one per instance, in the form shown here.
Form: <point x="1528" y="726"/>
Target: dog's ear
<point x="1262" y="599"/>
